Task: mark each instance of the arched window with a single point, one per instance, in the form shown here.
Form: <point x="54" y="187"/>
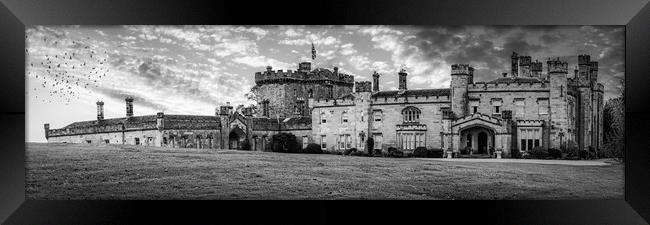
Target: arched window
<point x="311" y="93"/>
<point x="411" y="114"/>
<point x="344" y="117"/>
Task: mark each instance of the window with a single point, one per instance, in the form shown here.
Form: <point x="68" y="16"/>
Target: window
<point x="411" y="115"/>
<point x="265" y="108"/>
<point x="322" y="118"/>
<point x="529" y="138"/>
<point x="410" y="140"/>
<point x="107" y="141"/>
<point x="376" y="115"/>
<point x="323" y="143"/>
<point x="88" y="141"/>
<point x="311" y="93"/>
<point x="344" y="117"/>
<point x="345" y="141"/>
<point x="348" y="140"/>
<point x="474" y="105"/>
<point x="137" y="141"/>
<point x="496" y="105"/>
<point x="519" y="104"/>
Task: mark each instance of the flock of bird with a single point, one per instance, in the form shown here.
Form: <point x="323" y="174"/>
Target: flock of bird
<point x="63" y="74"/>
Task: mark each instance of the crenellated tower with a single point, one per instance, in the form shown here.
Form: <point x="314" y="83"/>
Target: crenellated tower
<point x="557" y="75"/>
<point x="460" y="77"/>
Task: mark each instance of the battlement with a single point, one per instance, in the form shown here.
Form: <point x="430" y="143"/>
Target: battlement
<point x="584" y="59"/>
<point x="461" y="69"/>
<point x="530" y="85"/>
<point x="593" y="66"/>
<point x="530" y="123"/>
<point x="315" y="75"/>
<point x="362" y="86"/>
<point x="345" y="101"/>
<point x="525" y="60"/>
<point x="557" y="66"/>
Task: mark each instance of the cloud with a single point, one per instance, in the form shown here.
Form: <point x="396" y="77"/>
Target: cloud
<point x="261" y="62"/>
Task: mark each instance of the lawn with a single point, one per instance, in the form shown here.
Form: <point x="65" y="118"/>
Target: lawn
<point x="89" y="171"/>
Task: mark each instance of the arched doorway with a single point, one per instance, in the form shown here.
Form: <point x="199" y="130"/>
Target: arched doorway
<point x="477" y="139"/>
<point x="235" y="138"/>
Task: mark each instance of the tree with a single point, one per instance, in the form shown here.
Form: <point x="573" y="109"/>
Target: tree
<point x="370" y="145"/>
<point x="614" y="123"/>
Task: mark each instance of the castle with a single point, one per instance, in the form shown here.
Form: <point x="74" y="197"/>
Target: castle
<point x="523" y="109"/>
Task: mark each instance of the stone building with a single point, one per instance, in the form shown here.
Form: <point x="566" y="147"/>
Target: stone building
<point x="524" y="109"/>
<point x="521" y="110"/>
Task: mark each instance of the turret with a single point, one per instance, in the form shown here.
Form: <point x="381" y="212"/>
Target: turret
<point x="584" y="66"/>
<point x="226" y="110"/>
<point x="375" y="81"/>
<point x="362" y="86"/>
<point x="402" y="79"/>
<point x="558" y="102"/>
<point x="269" y="69"/>
<point x="593" y="72"/>
<point x="460" y="77"/>
<point x="100" y="110"/>
<point x="129" y="107"/>
<point x="47" y="129"/>
<point x="160" y="120"/>
<point x="515" y="65"/>
<point x="524" y="66"/>
<point x="536" y="69"/>
<point x="304" y="67"/>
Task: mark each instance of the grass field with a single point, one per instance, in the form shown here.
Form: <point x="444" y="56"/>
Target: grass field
<point x="86" y="171"/>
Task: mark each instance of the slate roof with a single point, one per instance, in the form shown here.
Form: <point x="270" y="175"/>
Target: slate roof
<point x="169" y="120"/>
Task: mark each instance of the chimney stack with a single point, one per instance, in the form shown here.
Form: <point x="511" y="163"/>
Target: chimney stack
<point x="375" y="81"/>
<point x="402" y="79"/>
<point x="100" y="110"/>
<point x="129" y="107"/>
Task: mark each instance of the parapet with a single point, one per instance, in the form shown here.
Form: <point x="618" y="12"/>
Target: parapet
<point x="557" y="66"/>
<point x="319" y="74"/>
<point x="536" y="66"/>
<point x="460" y="69"/>
<point x="362" y="86"/>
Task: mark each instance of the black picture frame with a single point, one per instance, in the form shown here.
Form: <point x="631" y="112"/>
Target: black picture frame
<point x="633" y="14"/>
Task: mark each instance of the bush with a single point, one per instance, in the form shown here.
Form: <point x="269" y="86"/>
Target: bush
<point x="391" y="149"/>
<point x="349" y="151"/>
<point x="571" y="150"/>
<point x="583" y="154"/>
<point x="285" y="142"/>
<point x="396" y="153"/>
<point x="359" y="153"/>
<point x="421" y="152"/>
<point x="436" y="153"/>
<point x="378" y="153"/>
<point x="515" y="153"/>
<point x="313" y="148"/>
<point x="245" y="145"/>
<point x="538" y="153"/>
<point x="555" y="153"/>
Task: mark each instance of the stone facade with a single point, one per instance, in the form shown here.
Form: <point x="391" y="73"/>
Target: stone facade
<point x="521" y="110"/>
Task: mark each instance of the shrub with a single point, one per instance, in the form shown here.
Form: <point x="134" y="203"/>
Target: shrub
<point x="349" y="151"/>
<point x="391" y="149"/>
<point x="245" y="145"/>
<point x="583" y="154"/>
<point x="285" y="142"/>
<point x="421" y="152"/>
<point x="359" y="153"/>
<point x="396" y="153"/>
<point x="378" y="153"/>
<point x="538" y="153"/>
<point x="313" y="148"/>
<point x="571" y="150"/>
<point x="515" y="153"/>
<point x="555" y="153"/>
<point x="435" y="153"/>
<point x="370" y="145"/>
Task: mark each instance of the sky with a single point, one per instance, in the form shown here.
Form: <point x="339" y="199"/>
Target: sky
<point x="195" y="69"/>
